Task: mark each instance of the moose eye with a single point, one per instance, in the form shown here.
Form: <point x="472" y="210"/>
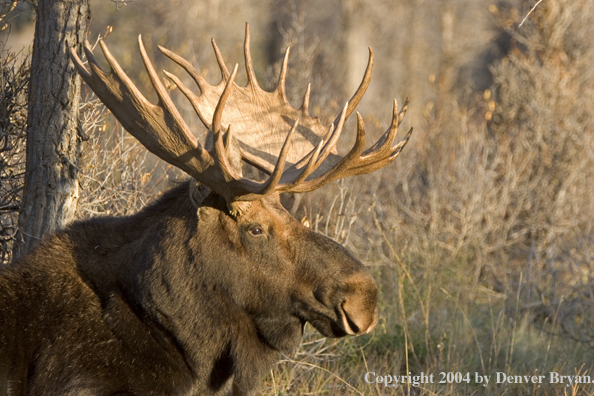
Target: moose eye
<point x="256" y="231"/>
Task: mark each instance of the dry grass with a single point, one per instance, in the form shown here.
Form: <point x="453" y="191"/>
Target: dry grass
<point x="14" y="80"/>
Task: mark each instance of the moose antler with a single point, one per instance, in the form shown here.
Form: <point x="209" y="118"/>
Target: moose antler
<point x="255" y="118"/>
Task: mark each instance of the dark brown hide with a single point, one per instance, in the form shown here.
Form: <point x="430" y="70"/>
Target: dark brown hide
<point x="173" y="301"/>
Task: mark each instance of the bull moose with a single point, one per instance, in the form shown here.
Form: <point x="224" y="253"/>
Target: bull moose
<point x="201" y="291"/>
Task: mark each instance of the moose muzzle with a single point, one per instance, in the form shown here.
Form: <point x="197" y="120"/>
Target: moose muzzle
<point x="344" y="305"/>
<point x="359" y="307"/>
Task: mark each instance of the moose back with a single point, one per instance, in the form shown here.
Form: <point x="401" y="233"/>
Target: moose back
<point x="201" y="291"/>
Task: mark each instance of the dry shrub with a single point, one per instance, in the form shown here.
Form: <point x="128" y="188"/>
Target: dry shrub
<point x="14" y="81"/>
<point x="118" y="175"/>
<point x="545" y="96"/>
<point x="498" y="196"/>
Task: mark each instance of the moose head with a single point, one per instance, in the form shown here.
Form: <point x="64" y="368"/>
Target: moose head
<point x="201" y="291"/>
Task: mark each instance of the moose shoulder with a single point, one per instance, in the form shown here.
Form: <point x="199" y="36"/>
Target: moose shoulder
<point x="201" y="291"/>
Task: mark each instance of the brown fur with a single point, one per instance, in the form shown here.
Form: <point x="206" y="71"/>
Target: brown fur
<point x="173" y="301"/>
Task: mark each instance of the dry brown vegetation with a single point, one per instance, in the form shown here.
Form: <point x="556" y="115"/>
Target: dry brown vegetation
<point x="480" y="236"/>
<point x="14" y="78"/>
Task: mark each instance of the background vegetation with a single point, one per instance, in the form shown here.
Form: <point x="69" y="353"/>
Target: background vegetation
<point x="480" y="235"/>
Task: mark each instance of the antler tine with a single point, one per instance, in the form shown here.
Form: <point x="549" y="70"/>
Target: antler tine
<point x="198" y="79"/>
<point x="217" y="130"/>
<point x="378" y="162"/>
<point x="354" y="102"/>
<point x="331" y="144"/>
<point x="90" y="58"/>
<point x="382" y="152"/>
<point x="119" y="72"/>
<point x="249" y="66"/>
<point x="335" y="172"/>
<point x="353" y="155"/>
<point x="357" y="148"/>
<point x="397" y="118"/>
<point x="398" y="148"/>
<point x="247" y="190"/>
<point x="273" y="180"/>
<point x="220" y="61"/>
<point x="281" y="88"/>
<point x="82" y="70"/>
<point x="164" y="98"/>
<point x="185" y="90"/>
<point x="305" y="105"/>
<point x="308" y="170"/>
<point x="384" y="143"/>
<point x="218" y="114"/>
<point x="403" y="111"/>
<point x="307" y="157"/>
<point x="227" y="139"/>
<point x="256" y="161"/>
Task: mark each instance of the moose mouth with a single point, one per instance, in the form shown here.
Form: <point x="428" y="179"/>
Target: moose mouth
<point x="347" y="323"/>
<point x="339" y="322"/>
<point x="340" y="307"/>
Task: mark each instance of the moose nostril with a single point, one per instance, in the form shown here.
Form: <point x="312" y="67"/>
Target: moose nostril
<point x="351" y="325"/>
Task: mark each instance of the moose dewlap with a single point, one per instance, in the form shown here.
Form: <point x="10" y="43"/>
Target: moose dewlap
<point x="200" y="292"/>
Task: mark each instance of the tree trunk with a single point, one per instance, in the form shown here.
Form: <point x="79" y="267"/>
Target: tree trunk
<point x="355" y="43"/>
<point x="53" y="145"/>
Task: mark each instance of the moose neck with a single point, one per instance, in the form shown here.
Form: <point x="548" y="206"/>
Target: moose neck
<point x="171" y="274"/>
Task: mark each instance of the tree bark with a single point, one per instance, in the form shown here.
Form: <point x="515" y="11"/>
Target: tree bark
<point x="53" y="145"/>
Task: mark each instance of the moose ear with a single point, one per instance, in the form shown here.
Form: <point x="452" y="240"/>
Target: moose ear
<point x="198" y="193"/>
<point x="209" y="211"/>
<point x="208" y="203"/>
